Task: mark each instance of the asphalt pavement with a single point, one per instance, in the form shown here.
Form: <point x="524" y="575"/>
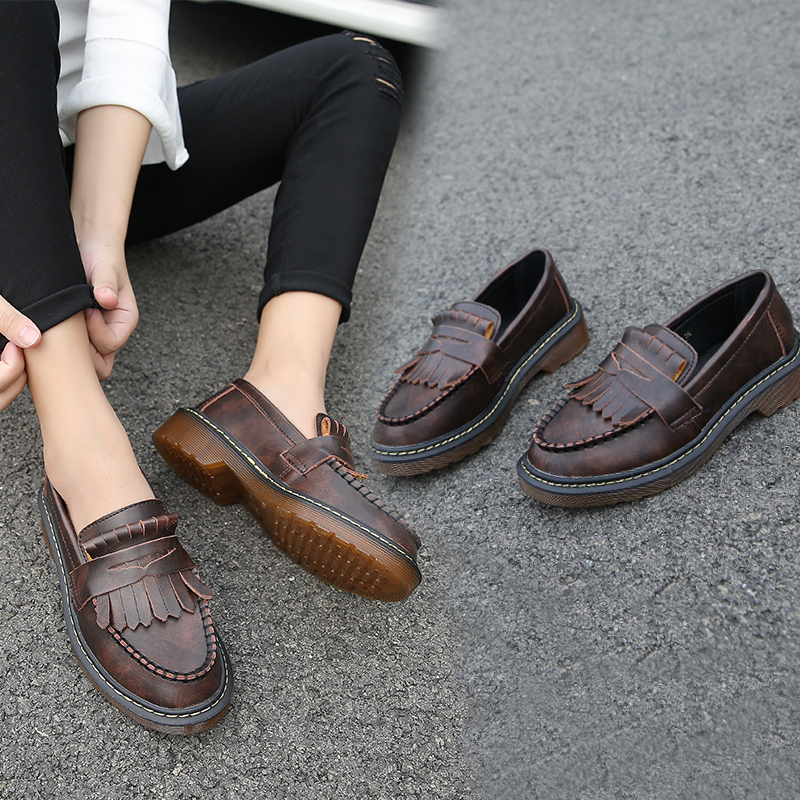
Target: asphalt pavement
<point x="647" y="650"/>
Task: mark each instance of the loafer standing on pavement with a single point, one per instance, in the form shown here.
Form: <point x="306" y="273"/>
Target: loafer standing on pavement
<point x="661" y="404"/>
<point x="456" y="394"/>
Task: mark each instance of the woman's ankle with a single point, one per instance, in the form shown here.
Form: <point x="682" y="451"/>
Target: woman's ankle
<point x="298" y="402"/>
<point x="291" y="359"/>
<point x="88" y="457"/>
<point x="96" y="476"/>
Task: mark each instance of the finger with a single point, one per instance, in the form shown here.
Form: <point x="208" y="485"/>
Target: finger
<point x="12" y="374"/>
<point x="16" y="327"/>
<point x="106" y="296"/>
<point x="106" y="281"/>
<point x="103" y="364"/>
<point x="101" y="335"/>
<point x="108" y="331"/>
<point x="11" y="392"/>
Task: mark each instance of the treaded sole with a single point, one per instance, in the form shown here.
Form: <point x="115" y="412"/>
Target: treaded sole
<point x="327" y="543"/>
<point x="158" y="718"/>
<point x="770" y="391"/>
<point x="561" y="344"/>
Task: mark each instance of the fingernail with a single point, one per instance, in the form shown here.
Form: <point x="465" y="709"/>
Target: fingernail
<point x="29" y="336"/>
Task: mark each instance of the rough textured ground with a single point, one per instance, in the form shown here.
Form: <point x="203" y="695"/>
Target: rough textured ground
<point x="644" y="651"/>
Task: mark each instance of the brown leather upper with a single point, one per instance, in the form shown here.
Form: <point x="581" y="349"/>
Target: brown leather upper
<point x="656" y="391"/>
<point x="320" y="468"/>
<point x="141" y="606"/>
<point x="472" y="349"/>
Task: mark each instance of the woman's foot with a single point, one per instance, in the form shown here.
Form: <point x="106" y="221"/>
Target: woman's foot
<point x="88" y="457"/>
<point x="137" y="615"/>
<point x="303" y="491"/>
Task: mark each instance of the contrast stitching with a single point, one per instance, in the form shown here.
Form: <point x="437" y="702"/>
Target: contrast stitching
<point x="677" y="458"/>
<point x="420" y="412"/>
<point x="777" y="332"/>
<point x="256" y="465"/>
<point x="728" y="360"/>
<point x="217" y="397"/>
<point x="99" y="674"/>
<point x="264" y="414"/>
<point x="493" y="408"/>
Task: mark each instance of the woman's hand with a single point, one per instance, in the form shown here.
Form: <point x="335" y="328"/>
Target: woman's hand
<point x="109" y="326"/>
<point x="21" y="333"/>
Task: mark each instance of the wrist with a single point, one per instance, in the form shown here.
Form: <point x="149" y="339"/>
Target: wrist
<point x="93" y="234"/>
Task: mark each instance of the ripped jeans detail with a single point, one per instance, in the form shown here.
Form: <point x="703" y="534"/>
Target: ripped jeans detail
<point x="387" y="74"/>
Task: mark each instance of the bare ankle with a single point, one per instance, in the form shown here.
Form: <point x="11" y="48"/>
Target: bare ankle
<point x="88" y="457"/>
<point x="94" y="484"/>
<point x="300" y="405"/>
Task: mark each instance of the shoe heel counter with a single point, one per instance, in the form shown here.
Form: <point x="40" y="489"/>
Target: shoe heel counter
<point x="561" y="286"/>
<point x="781" y="318"/>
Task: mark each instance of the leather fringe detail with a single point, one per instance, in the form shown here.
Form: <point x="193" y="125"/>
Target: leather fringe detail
<point x="437" y="370"/>
<point x="434" y="368"/>
<point x="154" y="597"/>
<point x="608" y="396"/>
<point x="610" y="392"/>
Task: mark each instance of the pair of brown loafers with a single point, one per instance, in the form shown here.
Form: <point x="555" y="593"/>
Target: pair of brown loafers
<point x="656" y="409"/>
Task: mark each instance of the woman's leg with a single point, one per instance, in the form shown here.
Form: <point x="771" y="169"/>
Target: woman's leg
<point x="41" y="272"/>
<point x="87" y="454"/>
<point x="322" y="118"/>
<point x="290" y="363"/>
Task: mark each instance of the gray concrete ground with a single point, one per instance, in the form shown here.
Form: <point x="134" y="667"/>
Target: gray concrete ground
<point x="642" y="651"/>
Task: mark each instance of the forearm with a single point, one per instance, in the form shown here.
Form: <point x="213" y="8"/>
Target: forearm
<point x="109" y="147"/>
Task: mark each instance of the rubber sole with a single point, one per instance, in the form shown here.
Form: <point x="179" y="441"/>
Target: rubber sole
<point x="768" y="392"/>
<point x="193" y="719"/>
<point x="329" y="544"/>
<point x="562" y="343"/>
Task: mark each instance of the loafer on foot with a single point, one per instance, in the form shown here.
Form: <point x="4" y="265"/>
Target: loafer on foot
<point x="456" y="394"/>
<point x="305" y="493"/>
<point x="664" y="400"/>
<point x="137" y="615"/>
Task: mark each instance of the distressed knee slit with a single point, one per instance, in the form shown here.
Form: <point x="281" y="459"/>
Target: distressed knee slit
<point x="387" y="75"/>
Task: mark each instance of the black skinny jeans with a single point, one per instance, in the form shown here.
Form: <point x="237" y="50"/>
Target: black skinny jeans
<point x="321" y="118"/>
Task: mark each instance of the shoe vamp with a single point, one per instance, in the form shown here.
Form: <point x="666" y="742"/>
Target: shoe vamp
<point x="256" y="431"/>
<point x="434" y="415"/>
<point x="326" y="488"/>
<point x="177" y="646"/>
<point x="628" y="449"/>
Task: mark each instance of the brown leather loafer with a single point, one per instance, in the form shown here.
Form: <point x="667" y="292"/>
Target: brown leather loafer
<point x="666" y="397"/>
<point x="236" y="446"/>
<point x="137" y="615"/>
<point x="456" y="394"/>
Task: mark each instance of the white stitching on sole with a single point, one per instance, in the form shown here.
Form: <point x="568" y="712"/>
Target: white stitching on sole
<point x="676" y="459"/>
<point x="492" y="409"/>
<point x="286" y="490"/>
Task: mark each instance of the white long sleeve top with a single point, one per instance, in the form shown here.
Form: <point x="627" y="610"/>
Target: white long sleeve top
<point x="116" y="52"/>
